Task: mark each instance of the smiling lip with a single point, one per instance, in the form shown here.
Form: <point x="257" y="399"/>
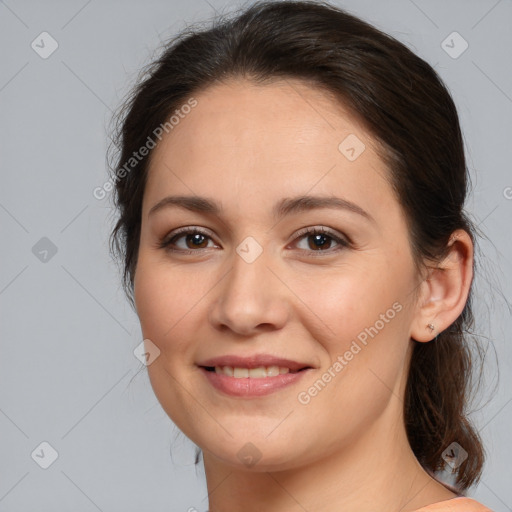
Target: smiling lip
<point x="254" y="362"/>
<point x="252" y="387"/>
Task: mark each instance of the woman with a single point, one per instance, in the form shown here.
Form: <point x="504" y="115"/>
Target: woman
<point x="291" y="188"/>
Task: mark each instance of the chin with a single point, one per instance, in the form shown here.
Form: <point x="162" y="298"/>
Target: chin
<point x="251" y="459"/>
<point x="256" y="453"/>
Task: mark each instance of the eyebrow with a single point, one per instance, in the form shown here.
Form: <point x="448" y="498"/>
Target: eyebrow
<point x="282" y="208"/>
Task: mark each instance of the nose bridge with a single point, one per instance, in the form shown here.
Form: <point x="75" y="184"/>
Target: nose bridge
<point x="250" y="294"/>
<point x="250" y="268"/>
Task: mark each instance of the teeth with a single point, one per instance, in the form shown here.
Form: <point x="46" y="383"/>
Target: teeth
<point x="240" y="373"/>
<point x="257" y="373"/>
<point x="253" y="373"/>
<point x="272" y="371"/>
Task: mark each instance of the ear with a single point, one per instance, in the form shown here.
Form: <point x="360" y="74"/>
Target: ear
<point x="444" y="292"/>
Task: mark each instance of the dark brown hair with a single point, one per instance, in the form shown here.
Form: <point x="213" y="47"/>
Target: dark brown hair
<point x="400" y="100"/>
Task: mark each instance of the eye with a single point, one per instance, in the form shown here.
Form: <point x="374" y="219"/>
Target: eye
<point x="320" y="239"/>
<point x="193" y="238"/>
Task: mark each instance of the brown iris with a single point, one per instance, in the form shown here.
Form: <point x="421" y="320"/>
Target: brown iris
<point x="196" y="239"/>
<point x="319" y="238"/>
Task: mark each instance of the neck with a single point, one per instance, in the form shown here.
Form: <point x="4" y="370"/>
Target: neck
<point x="375" y="471"/>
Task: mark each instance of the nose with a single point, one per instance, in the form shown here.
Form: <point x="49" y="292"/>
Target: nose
<point x="250" y="299"/>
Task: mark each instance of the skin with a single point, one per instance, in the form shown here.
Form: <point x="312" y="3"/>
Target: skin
<point x="247" y="146"/>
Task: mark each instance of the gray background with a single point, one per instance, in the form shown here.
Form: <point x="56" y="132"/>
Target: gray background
<point x="68" y="375"/>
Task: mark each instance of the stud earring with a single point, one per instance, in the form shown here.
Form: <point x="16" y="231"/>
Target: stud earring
<point x="431" y="326"/>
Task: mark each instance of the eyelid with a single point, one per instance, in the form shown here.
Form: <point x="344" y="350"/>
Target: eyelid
<point x="185" y="230"/>
<point x="322" y="230"/>
<point x="342" y="240"/>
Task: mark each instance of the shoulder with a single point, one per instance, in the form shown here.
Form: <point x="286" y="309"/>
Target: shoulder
<point x="459" y="504"/>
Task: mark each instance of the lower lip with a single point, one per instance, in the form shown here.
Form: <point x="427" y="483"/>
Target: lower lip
<point x="248" y="387"/>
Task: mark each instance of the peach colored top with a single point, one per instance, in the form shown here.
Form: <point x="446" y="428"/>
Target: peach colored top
<point x="459" y="504"/>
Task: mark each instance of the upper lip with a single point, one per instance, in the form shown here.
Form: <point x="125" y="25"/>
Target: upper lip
<point x="254" y="361"/>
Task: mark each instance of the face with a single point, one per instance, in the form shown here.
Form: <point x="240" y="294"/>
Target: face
<point x="318" y="293"/>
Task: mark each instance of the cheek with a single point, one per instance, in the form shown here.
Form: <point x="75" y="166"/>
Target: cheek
<point x="165" y="306"/>
<point x="348" y="300"/>
<point x="171" y="302"/>
<point x="163" y="298"/>
<point x="361" y="315"/>
<point x="364" y="361"/>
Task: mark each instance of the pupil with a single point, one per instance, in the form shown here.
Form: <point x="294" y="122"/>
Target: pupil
<point x="196" y="239"/>
<point x="319" y="238"/>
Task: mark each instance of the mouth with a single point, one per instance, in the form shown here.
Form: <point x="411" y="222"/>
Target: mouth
<point x="252" y="373"/>
<point x="255" y="366"/>
<point x="252" y="376"/>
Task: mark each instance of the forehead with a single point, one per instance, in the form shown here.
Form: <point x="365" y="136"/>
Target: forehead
<point x="262" y="139"/>
<point x="243" y="114"/>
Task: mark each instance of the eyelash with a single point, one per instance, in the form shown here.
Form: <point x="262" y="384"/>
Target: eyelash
<point x="166" y="242"/>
